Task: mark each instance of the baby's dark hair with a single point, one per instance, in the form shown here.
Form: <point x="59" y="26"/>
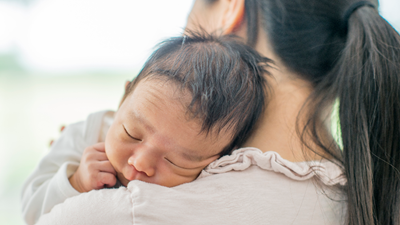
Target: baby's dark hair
<point x="224" y="76"/>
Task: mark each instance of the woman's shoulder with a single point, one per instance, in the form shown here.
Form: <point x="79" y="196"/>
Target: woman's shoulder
<point x="106" y="206"/>
<point x="247" y="187"/>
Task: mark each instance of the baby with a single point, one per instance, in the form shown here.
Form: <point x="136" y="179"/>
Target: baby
<point x="196" y="99"/>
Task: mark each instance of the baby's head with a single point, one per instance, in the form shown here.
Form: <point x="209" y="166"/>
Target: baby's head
<point x="196" y="98"/>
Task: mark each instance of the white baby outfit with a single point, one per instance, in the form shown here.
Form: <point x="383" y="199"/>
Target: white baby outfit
<point x="48" y="185"/>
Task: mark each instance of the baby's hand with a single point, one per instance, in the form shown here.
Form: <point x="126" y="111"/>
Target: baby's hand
<point x="94" y="171"/>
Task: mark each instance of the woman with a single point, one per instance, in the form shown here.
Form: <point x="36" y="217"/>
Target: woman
<point x="323" y="51"/>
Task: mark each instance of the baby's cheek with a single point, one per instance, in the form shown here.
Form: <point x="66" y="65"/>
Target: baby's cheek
<point x="110" y="144"/>
<point x="115" y="157"/>
<point x="108" y="150"/>
<point x="181" y="177"/>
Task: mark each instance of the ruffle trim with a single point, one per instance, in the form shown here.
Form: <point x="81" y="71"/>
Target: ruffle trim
<point x="241" y="159"/>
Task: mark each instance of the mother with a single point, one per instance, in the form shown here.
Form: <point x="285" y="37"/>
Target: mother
<point x="324" y="51"/>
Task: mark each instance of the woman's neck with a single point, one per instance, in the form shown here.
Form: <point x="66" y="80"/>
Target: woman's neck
<point x="276" y="130"/>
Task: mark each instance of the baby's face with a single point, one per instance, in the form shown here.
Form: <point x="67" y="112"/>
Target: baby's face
<point x="152" y="139"/>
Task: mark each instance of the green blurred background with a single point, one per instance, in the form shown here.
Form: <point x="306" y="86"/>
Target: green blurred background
<point x="61" y="60"/>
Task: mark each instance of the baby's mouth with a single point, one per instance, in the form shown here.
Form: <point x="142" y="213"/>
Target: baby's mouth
<point x="130" y="173"/>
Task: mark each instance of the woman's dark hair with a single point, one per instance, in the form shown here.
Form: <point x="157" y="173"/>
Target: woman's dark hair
<point x="224" y="76"/>
<point x="353" y="57"/>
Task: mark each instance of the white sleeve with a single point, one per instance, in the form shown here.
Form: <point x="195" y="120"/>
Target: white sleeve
<point x="48" y="185"/>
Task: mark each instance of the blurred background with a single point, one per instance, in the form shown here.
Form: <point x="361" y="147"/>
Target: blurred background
<point x="61" y="60"/>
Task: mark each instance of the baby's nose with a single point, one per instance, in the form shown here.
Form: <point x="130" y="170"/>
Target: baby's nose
<point x="143" y="162"/>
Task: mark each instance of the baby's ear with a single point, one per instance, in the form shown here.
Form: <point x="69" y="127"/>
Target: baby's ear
<point x="127" y="83"/>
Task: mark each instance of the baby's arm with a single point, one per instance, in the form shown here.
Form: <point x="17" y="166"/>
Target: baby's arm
<point x="48" y="185"/>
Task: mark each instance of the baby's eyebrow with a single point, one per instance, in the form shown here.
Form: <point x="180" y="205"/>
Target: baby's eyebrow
<point x="141" y="119"/>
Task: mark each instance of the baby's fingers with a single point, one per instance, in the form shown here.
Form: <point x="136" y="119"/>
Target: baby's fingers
<point x="105" y="166"/>
<point x="95" y="152"/>
<point x="101" y="147"/>
<point x="106" y="180"/>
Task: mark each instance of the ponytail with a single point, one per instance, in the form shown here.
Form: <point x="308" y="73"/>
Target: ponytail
<point x="349" y="53"/>
<point x="367" y="80"/>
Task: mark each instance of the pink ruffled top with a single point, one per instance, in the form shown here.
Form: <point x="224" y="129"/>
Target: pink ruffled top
<point x="241" y="159"/>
